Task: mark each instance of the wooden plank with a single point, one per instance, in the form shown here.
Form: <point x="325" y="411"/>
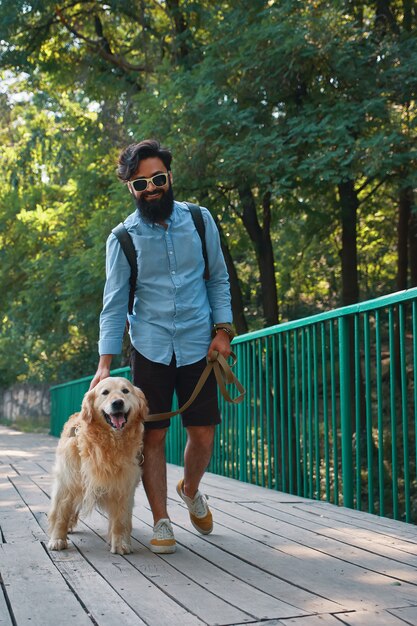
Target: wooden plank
<point x="100" y="558"/>
<point x="299" y="565"/>
<point x="362" y="537"/>
<point x="29" y="576"/>
<point x="208" y="571"/>
<point x="44" y="482"/>
<point x="182" y="587"/>
<point x="19" y="525"/>
<point x="360" y="519"/>
<point x="196" y="599"/>
<point x="228" y="588"/>
<point x="103" y="600"/>
<point x="92" y="557"/>
<point x="139" y="592"/>
<point x="13" y="442"/>
<point x="313" y="620"/>
<point x="258" y="547"/>
<point x="371" y="618"/>
<point x="5" y="617"/>
<point x="370" y="536"/>
<point x="6" y="470"/>
<point x="28" y="467"/>
<point x="239" y="565"/>
<point x="235" y="491"/>
<point x="390" y="561"/>
<point x="155" y="570"/>
<point x="232" y="588"/>
<point x="16" y="521"/>
<point x="31" y="495"/>
<point x="309" y="620"/>
<point x="407" y="614"/>
<point x="17" y="447"/>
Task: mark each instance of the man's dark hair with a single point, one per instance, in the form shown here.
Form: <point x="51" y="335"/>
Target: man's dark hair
<point x="131" y="156"/>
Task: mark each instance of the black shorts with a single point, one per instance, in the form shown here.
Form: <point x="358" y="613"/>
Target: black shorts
<point x="158" y="382"/>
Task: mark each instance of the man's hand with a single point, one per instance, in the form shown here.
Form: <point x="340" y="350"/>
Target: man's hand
<point x="221" y="343"/>
<point x="103" y="369"/>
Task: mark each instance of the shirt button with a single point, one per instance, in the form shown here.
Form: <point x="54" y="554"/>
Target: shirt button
<point x="170" y="252"/>
<point x="173" y="272"/>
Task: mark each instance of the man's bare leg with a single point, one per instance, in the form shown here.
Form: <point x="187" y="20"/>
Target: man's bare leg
<point x="155" y="473"/>
<point x="197" y="456"/>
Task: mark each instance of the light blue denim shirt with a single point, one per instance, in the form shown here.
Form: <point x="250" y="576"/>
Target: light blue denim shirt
<point x="174" y="308"/>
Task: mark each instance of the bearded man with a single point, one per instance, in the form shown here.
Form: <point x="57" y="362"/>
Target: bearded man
<point x="177" y="320"/>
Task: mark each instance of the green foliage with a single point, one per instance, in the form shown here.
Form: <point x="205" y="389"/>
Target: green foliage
<point x="285" y="99"/>
<point x="28" y="425"/>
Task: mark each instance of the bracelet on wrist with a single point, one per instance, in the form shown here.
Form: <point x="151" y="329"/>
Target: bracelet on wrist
<point x="227" y="328"/>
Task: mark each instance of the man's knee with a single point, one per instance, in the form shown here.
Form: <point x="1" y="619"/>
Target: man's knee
<point x="155" y="437"/>
<point x="201" y="435"/>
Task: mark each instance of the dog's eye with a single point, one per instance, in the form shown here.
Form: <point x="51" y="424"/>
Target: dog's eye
<point x="125" y="390"/>
<point x="105" y="392"/>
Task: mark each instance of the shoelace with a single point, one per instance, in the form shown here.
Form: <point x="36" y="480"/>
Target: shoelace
<point x="163" y="531"/>
<point x="199" y="504"/>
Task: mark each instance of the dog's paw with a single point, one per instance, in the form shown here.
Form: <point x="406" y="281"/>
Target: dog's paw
<point x="120" y="547"/>
<point x="58" y="544"/>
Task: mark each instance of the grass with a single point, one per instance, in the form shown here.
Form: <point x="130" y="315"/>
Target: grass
<point x="28" y="424"/>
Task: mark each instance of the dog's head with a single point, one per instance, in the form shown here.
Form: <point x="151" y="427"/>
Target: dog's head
<point x="116" y="401"/>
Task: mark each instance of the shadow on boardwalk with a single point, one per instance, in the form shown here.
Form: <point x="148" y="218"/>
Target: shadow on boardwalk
<point x="272" y="558"/>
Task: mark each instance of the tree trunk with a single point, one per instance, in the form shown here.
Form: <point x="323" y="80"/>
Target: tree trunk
<point x="404" y="237"/>
<point x="385" y="18"/>
<point x="181" y="49"/>
<point x="261" y="238"/>
<point x="404" y="215"/>
<point x="412" y="244"/>
<point x="349" y="256"/>
<point x="239" y="319"/>
<point x="350" y="290"/>
<point x="408" y="15"/>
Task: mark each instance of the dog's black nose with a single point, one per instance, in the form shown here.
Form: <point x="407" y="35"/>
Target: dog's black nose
<point x="117" y="405"/>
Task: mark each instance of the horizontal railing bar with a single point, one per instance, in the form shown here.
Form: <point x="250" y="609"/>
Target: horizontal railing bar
<point x="360" y="307"/>
<point x="85" y="379"/>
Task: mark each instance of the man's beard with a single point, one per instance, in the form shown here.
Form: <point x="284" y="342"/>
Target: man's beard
<point x="156" y="210"/>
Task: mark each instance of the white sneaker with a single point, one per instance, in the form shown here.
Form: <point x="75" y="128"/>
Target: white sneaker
<point x="200" y="514"/>
<point x="163" y="540"/>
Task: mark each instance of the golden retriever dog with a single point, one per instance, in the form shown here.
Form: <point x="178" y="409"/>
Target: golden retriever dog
<point x="98" y="463"/>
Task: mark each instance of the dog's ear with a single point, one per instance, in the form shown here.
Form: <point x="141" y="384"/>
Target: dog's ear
<point x="143" y="405"/>
<point x="87" y="406"/>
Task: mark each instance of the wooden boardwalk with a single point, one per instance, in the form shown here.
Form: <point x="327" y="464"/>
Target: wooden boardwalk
<point x="272" y="559"/>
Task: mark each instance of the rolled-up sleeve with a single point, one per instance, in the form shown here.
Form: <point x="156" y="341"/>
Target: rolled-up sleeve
<point x="115" y="299"/>
<point x="218" y="286"/>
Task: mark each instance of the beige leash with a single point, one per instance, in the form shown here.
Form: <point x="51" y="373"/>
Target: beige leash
<point x="224" y="376"/>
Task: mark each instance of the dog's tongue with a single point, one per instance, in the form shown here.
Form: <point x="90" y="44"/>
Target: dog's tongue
<point x="118" y="420"/>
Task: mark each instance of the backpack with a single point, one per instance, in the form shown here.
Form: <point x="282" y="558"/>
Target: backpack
<point x="128" y="248"/>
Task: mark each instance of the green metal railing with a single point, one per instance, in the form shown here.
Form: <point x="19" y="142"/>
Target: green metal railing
<point x="330" y="410"/>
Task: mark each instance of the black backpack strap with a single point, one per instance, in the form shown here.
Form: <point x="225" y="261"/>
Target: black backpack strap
<point x="197" y="216"/>
<point x="128" y="248"/>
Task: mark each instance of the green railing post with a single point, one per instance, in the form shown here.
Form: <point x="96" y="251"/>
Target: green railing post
<point x="241" y="354"/>
<point x="345" y="411"/>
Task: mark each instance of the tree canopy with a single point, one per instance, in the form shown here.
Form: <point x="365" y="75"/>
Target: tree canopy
<point x="293" y="122"/>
